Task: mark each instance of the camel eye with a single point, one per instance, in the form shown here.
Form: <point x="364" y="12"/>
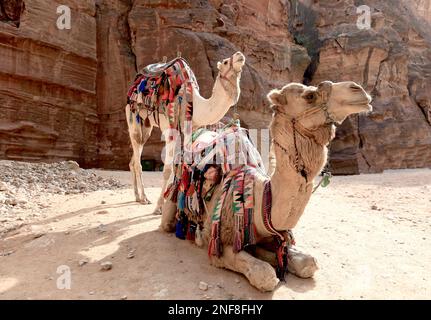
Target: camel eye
<point x="310" y="97"/>
<point x="355" y="88"/>
<point x="225" y="62"/>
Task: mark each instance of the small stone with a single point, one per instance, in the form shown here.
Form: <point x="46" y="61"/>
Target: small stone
<point x="203" y="286"/>
<point x="374" y="207"/>
<point x="103" y="202"/>
<point x="3" y="187"/>
<point x="67" y="233"/>
<point x="11" y="202"/>
<point x="124" y="298"/>
<point x="102" y="212"/>
<point x="82" y="262"/>
<point x="131" y="254"/>
<point x="237" y="280"/>
<point x="39" y="234"/>
<point x="91" y="293"/>
<point x="106" y="266"/>
<point x="6" y="253"/>
<point x="72" y="165"/>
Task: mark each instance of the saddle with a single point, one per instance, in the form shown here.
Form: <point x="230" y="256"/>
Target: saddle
<point x="163" y="88"/>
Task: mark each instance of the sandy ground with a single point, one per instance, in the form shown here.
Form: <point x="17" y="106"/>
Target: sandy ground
<point x="371" y="235"/>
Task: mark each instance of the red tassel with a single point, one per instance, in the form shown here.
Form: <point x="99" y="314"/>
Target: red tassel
<point x="237" y="242"/>
<point x="214" y="247"/>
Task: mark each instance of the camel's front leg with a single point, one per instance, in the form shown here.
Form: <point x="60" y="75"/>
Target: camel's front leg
<point x="300" y="264"/>
<point x="260" y="273"/>
<point x="167" y="170"/>
<point x="169" y="211"/>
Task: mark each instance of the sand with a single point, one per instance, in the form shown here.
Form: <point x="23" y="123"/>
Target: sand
<point x="371" y="235"/>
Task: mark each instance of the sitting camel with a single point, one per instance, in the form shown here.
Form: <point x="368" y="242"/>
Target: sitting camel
<point x="225" y="94"/>
<point x="304" y="119"/>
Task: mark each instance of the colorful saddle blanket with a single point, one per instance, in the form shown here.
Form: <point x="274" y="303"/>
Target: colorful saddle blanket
<point x="228" y="157"/>
<point x="164" y="88"/>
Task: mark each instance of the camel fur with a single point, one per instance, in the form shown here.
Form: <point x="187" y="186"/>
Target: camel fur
<point x="291" y="189"/>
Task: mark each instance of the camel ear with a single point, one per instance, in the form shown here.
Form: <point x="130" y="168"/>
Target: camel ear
<point x="277" y="97"/>
<point x="218" y="65"/>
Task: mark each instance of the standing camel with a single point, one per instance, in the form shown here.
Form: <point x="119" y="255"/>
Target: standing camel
<point x="304" y="119"/>
<point x="225" y="94"/>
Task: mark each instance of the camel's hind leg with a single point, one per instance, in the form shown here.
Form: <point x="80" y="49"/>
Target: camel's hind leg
<point x="260" y="273"/>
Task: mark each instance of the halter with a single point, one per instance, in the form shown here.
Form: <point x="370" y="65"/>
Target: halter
<point x="225" y="78"/>
<point x="297" y="127"/>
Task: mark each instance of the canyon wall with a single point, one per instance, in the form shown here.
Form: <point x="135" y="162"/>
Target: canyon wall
<point x="62" y="92"/>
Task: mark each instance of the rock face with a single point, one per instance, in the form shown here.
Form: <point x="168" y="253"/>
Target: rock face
<point x="62" y="92"/>
<point x="48" y="82"/>
<point x="392" y="60"/>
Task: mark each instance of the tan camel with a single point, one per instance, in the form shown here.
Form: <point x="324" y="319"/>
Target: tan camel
<point x="225" y="94"/>
<point x="303" y="124"/>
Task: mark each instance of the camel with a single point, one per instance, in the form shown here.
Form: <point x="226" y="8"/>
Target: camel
<point x="303" y="124"/>
<point x="225" y="94"/>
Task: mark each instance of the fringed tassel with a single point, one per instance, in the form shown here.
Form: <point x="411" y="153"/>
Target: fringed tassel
<point x="281" y="253"/>
<point x="214" y="247"/>
<point x="239" y="227"/>
<point x="181" y="201"/>
<point x="181" y="229"/>
<point x="191" y="232"/>
<point x="249" y="228"/>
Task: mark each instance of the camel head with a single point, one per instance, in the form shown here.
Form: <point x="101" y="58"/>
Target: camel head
<point x="328" y="103"/>
<point x="232" y="66"/>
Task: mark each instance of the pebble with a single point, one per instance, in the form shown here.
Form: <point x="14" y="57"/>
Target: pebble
<point x="203" y="286"/>
<point x="83" y="262"/>
<point x="124" y="298"/>
<point x="106" y="266"/>
<point x="102" y="212"/>
<point x="131" y="254"/>
<point x="103" y="202"/>
<point x="374" y="207"/>
<point x="237" y="280"/>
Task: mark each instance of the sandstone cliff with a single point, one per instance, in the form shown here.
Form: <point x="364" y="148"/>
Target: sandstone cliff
<point x="62" y="91"/>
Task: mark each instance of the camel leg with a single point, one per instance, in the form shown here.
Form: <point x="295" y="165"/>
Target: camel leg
<point x="300" y="264"/>
<point x="259" y="273"/>
<point x="169" y="211"/>
<point x="139" y="135"/>
<point x="167" y="170"/>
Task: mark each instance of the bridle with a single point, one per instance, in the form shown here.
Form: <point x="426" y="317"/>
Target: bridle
<point x="297" y="128"/>
<point x="226" y="78"/>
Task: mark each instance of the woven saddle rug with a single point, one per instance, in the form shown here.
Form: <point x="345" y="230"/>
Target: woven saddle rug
<point x="165" y="88"/>
<point x="227" y="157"/>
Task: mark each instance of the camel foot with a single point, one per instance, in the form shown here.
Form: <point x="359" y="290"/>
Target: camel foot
<point x="144" y="201"/>
<point x="157" y="211"/>
<point x="300" y="264"/>
<point x="262" y="276"/>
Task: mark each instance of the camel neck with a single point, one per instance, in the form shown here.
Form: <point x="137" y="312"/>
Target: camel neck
<point x="291" y="191"/>
<point x="212" y="110"/>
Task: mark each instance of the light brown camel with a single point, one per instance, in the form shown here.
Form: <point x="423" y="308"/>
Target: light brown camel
<point x="225" y="94"/>
<point x="303" y="124"/>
